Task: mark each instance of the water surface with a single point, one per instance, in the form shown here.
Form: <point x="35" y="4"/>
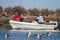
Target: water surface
<point x="21" y="35"/>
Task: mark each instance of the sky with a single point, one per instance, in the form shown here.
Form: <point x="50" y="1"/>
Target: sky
<point x="50" y="4"/>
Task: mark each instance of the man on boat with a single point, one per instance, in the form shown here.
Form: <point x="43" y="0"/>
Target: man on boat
<point x="40" y="19"/>
<point x="18" y="17"/>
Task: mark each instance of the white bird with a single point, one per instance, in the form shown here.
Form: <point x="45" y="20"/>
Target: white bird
<point x="38" y="36"/>
<point x="48" y="33"/>
<point x="33" y="36"/>
<point x="6" y="36"/>
<point x="29" y="34"/>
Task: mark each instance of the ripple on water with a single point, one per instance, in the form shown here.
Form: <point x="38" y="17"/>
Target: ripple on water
<point x="21" y="35"/>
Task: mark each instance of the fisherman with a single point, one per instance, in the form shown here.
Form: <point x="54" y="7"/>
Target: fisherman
<point x="40" y="19"/>
<point x="18" y="17"/>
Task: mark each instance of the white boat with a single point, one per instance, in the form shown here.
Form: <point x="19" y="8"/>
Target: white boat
<point x="33" y="25"/>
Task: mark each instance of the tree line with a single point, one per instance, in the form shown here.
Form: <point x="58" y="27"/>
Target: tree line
<point x="32" y="11"/>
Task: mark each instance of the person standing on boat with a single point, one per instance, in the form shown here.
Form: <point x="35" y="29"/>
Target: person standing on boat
<point x="40" y="19"/>
<point x="18" y="17"/>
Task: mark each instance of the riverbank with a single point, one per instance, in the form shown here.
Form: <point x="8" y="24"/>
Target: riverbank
<point x="4" y="22"/>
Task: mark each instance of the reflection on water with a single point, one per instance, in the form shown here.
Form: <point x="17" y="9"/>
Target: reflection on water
<point x="21" y="35"/>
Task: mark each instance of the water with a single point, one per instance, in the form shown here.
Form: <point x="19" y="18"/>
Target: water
<point x="21" y="35"/>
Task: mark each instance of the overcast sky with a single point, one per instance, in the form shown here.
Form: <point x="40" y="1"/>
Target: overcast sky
<point x="50" y="4"/>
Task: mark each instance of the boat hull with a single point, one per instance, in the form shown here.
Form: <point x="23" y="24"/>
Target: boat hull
<point x="27" y="25"/>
